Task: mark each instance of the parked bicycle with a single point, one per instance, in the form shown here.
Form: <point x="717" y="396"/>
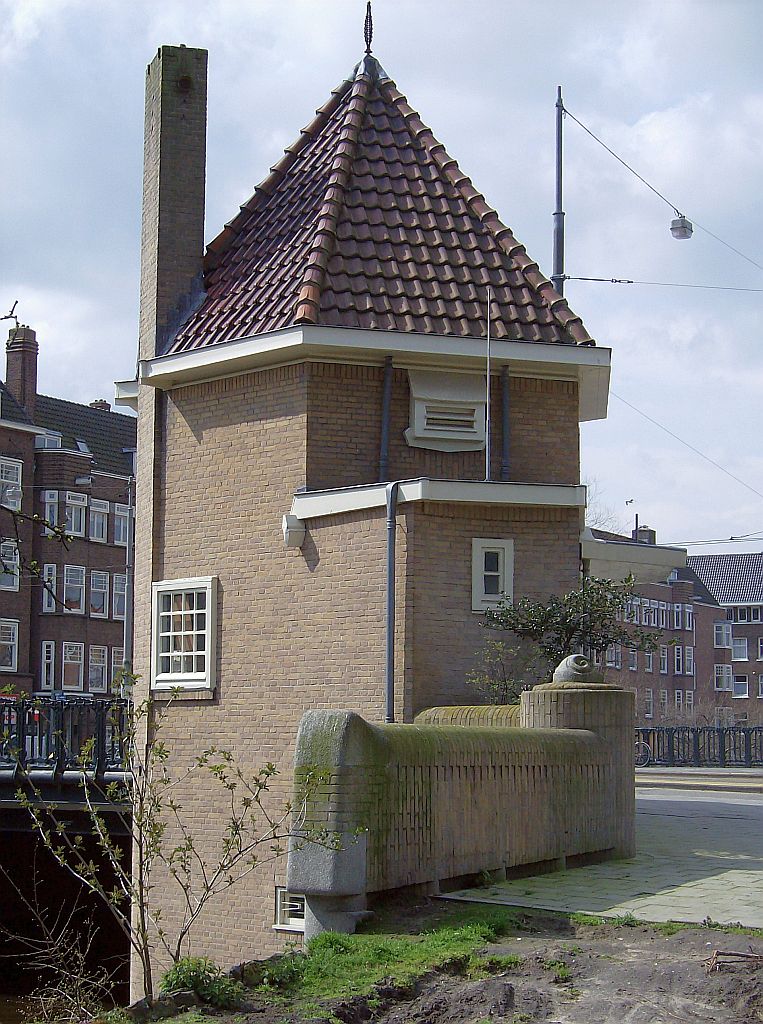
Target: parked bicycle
<point x="643" y="754"/>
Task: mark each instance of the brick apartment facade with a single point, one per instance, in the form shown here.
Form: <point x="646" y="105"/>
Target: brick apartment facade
<point x="311" y="400"/>
<point x="69" y="464"/>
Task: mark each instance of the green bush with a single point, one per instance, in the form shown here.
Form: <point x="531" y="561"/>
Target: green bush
<point x="207" y="980"/>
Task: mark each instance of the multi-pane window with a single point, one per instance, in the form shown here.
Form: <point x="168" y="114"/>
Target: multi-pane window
<point x="613" y="656"/>
<point x="723" y="677"/>
<point x="741" y="687"/>
<point x="120" y="595"/>
<point x="649" y="661"/>
<point x="663" y="659"/>
<point x="10" y="483"/>
<point x="662" y="619"/>
<point x="9" y="645"/>
<point x="121" y="523"/>
<point x="99" y="595"/>
<point x="648" y="703"/>
<point x="48" y="665"/>
<point x="50" y="506"/>
<point x="74" y="588"/>
<point x="663" y="702"/>
<point x="678" y="660"/>
<point x="679" y="698"/>
<point x="96" y="674"/>
<point x="688" y="617"/>
<point x="689" y="699"/>
<point x="290" y="910"/>
<point x="492" y="572"/>
<point x="755" y="614"/>
<point x="49" y="602"/>
<point x="760" y="648"/>
<point x="677" y="617"/>
<point x="117" y="664"/>
<point x="760" y="685"/>
<point x="75" y="507"/>
<point x="50" y="440"/>
<point x="99" y="520"/>
<point x="633" y="659"/>
<point x="739" y="648"/>
<point x="722" y="634"/>
<point x="73" y="665"/>
<point x="9" y="565"/>
<point x="184" y="633"/>
<point x="741" y="615"/>
<point x="689" y="661"/>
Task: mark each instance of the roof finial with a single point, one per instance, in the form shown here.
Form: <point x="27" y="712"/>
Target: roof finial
<point x="368" y="28"/>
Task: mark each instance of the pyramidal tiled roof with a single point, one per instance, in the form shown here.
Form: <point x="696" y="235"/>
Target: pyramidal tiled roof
<point x="731" y="579"/>
<point x="366" y="222"/>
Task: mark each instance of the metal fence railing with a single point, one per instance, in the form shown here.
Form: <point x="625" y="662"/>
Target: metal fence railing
<point x="704" y="746"/>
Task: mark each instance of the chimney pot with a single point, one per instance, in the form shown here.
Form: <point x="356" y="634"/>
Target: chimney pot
<point x="101" y="403"/>
<point x="21" y="366"/>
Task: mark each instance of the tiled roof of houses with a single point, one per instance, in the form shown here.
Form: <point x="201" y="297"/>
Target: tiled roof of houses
<point x="366" y="222"/>
<point x="731" y="579"/>
<point x="9" y="408"/>
<point x="105" y="433"/>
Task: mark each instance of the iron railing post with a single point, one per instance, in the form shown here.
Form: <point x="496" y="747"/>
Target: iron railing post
<point x="747" y="748"/>
<point x="670" y="755"/>
<point x="99" y="751"/>
<point x="20" y="738"/>
<point x="722" y="748"/>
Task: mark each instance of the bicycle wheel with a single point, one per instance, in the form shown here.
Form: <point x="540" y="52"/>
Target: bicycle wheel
<point x="643" y="754"/>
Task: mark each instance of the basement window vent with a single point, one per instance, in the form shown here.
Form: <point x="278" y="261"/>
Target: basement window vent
<point x="447" y="411"/>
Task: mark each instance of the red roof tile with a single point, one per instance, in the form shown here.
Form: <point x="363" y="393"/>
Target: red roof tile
<point x="367" y="222"/>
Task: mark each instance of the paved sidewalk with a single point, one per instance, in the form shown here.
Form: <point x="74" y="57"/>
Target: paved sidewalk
<point x="699" y="856"/>
<point x="734" y="780"/>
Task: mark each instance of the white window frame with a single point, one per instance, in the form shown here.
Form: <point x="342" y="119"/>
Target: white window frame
<point x="740" y="681"/>
<point x="689" y="661"/>
<point x="97" y="576"/>
<point x="74" y="508"/>
<point x="722" y="678"/>
<point x="739" y="644"/>
<point x="760" y="648"/>
<point x="689" y="700"/>
<point x="760" y="685"/>
<point x="755" y="613"/>
<point x="633" y="659"/>
<point x="286" y="920"/>
<point x="9" y="638"/>
<point x="741" y="614"/>
<point x="121" y="524"/>
<point x="49" y="602"/>
<point x="11" y="483"/>
<point x="68" y="649"/>
<point x="663" y="659"/>
<point x="678" y="698"/>
<point x="183" y="679"/>
<point x="663" y="701"/>
<point x="51" y="440"/>
<point x="649" y="661"/>
<point x="10" y="562"/>
<point x="99" y="517"/>
<point x="48" y="665"/>
<point x="71" y="581"/>
<point x="722" y="635"/>
<point x="662" y="612"/>
<point x="447" y="411"/>
<point x="688" y="616"/>
<point x="98" y="657"/>
<point x="482" y="601"/>
<point x="678" y="660"/>
<point x="677" y="616"/>
<point x="50" y="514"/>
<point x="648" y="703"/>
<point x="117" y="662"/>
<point x="119" y="595"/>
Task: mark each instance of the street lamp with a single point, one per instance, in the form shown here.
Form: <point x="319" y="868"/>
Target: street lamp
<point x="681" y="227"/>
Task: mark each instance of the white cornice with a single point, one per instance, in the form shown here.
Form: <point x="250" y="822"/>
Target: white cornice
<point x="312" y="504"/>
<point x="588" y="365"/>
<point x="616" y="559"/>
<point x="25" y="428"/>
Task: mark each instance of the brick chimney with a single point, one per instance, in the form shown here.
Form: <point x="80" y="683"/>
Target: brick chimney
<point x="174" y="157"/>
<point x="21" y="367"/>
<point x="101" y="403"/>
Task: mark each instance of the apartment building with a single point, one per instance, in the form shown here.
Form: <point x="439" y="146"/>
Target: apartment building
<point x="62" y="605"/>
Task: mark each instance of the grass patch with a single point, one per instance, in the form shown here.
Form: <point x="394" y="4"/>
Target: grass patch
<point x="485" y="966"/>
<point x="587" y="920"/>
<point x="338" y="966"/>
<point x="625" y="921"/>
<point x="559" y="967"/>
<point x="193" y="1017"/>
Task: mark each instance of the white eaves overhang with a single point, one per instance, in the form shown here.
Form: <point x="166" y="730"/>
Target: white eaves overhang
<point x="617" y="559"/>
<point x="588" y="365"/>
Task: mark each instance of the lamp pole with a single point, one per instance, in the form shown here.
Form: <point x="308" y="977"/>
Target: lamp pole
<point x="557" y="277"/>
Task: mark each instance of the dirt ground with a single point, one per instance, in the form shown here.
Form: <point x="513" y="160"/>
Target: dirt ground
<point x="617" y="975"/>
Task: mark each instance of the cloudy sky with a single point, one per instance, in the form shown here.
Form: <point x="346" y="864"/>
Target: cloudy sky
<point x="673" y="86"/>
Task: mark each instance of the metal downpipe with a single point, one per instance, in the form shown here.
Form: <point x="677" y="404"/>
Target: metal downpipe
<point x="391" y="494"/>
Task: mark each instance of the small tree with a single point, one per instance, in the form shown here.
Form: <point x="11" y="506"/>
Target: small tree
<point x="505" y="668"/>
<point x="590" y="618"/>
<point x="161" y="836"/>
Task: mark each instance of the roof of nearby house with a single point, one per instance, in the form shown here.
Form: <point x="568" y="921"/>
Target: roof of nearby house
<point x="687" y="575"/>
<point x="367" y="222"/>
<point x="9" y="408"/>
<point x="105" y="433"/>
<point x="732" y="579"/>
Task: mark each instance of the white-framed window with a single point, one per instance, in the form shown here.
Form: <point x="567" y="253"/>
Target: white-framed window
<point x="662" y="620"/>
<point x="689" y="661"/>
<point x="722" y="674"/>
<point x="760" y="648"/>
<point x="677" y="616"/>
<point x="184" y="631"/>
<point x="50" y="440"/>
<point x="633" y="659"/>
<point x="74" y="589"/>
<point x="741" y="615"/>
<point x="663" y="702"/>
<point x="117" y="663"/>
<point x="679" y="698"/>
<point x="99" y="595"/>
<point x="10" y="483"/>
<point x="74" y="511"/>
<point x="447" y="411"/>
<point x="613" y="656"/>
<point x="49" y="603"/>
<point x="755" y="613"/>
<point x="678" y="660"/>
<point x="648" y="703"/>
<point x="722" y="634"/>
<point x="688" y="616"/>
<point x="741" y="687"/>
<point x="689" y="700"/>
<point x="96" y="671"/>
<point x="9" y="565"/>
<point x="653" y="608"/>
<point x="119" y="596"/>
<point x="48" y="665"/>
<point x="663" y="659"/>
<point x="99" y="520"/>
<point x="9" y="645"/>
<point x="50" y="510"/>
<point x="649" y="661"/>
<point x="760" y="685"/>
<point x="492" y="572"/>
<point x="289" y="911"/>
<point x="121" y="524"/>
<point x="739" y="648"/>
<point x="73" y="665"/>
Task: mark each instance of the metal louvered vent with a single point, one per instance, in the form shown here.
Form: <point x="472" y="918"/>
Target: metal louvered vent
<point x="451" y="418"/>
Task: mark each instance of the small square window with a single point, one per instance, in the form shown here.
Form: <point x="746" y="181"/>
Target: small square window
<point x="741" y="687"/>
<point x="492" y="572"/>
<point x="290" y="911"/>
<point x="184" y="634"/>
